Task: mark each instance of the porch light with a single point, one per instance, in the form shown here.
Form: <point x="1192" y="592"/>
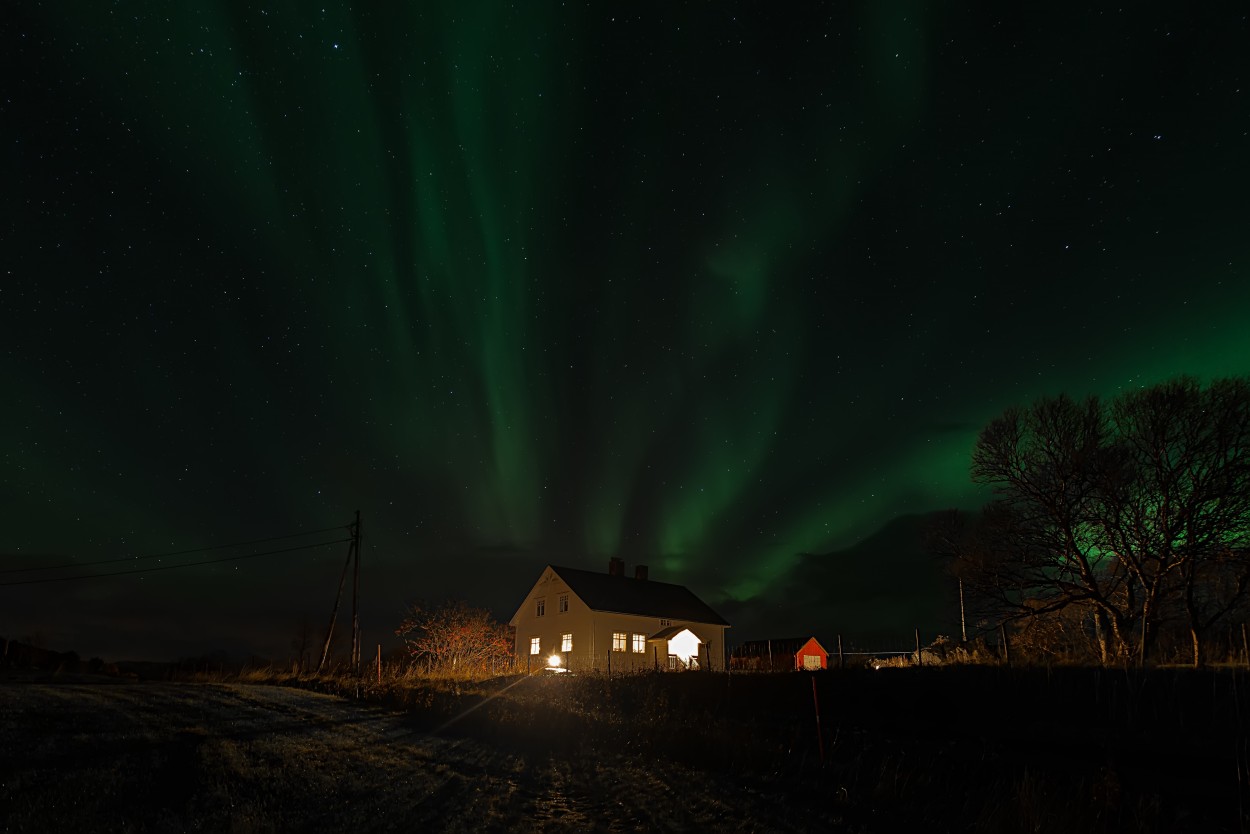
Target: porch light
<point x="554" y="661"/>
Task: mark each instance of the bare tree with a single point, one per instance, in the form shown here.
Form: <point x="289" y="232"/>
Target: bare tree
<point x="1136" y="513"/>
<point x="1183" y="518"/>
<point x="1041" y="546"/>
<point x="455" y="638"/>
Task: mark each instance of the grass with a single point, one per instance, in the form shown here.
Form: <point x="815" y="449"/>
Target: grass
<point x="938" y="748"/>
<point x="979" y="748"/>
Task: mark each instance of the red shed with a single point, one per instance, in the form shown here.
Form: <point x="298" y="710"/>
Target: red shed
<point x="811" y="656"/>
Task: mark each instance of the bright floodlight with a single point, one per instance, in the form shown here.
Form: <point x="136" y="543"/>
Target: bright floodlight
<point x="554" y="661"/>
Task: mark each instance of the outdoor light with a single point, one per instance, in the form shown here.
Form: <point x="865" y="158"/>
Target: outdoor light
<point x="554" y="661"/>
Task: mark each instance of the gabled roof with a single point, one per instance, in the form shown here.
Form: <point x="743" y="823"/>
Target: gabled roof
<point x="813" y="643"/>
<point x="622" y="595"/>
<point x="669" y="633"/>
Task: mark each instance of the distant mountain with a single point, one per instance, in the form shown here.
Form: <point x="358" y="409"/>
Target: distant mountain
<point x="874" y="593"/>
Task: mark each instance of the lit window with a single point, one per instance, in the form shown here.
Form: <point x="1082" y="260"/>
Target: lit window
<point x="541" y="608"/>
<point x="535" y="645"/>
<point x="566" y="643"/>
<point x="618" y="641"/>
<point x="640" y="643"/>
<point x="564" y="603"/>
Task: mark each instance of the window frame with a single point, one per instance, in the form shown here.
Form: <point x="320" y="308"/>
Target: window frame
<point x="566" y="642"/>
<point x="638" y="643"/>
<point x="536" y="646"/>
<point x="540" y="607"/>
<point x="620" y="641"/>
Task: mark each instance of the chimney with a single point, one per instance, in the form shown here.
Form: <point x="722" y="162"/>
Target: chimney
<point x="616" y="566"/>
<point x="640" y="572"/>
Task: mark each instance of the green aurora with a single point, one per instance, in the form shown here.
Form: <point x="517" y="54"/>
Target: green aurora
<point x="702" y="287"/>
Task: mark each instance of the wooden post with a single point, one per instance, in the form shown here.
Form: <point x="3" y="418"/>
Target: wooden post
<point x="1002" y="637"/>
<point x="356" y="597"/>
<point x="338" y="597"/>
<point x="379" y="664"/>
<point x="963" y="620"/>
<point x="919" y="656"/>
<point x="609" y="663"/>
<point x="820" y="741"/>
<point x="1245" y="649"/>
<point x="841" y="659"/>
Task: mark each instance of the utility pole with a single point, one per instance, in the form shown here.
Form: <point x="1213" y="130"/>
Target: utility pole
<point x="356" y="596"/>
<point x="352" y="551"/>
<point x="963" y="620"/>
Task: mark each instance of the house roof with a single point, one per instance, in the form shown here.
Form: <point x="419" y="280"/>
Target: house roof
<point x="645" y="597"/>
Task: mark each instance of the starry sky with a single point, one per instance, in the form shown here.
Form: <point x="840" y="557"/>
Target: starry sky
<point x="717" y="288"/>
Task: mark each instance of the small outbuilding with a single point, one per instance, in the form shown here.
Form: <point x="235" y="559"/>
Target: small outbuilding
<point x="811" y="656"/>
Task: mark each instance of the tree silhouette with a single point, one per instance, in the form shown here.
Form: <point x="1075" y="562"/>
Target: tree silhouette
<point x="1136" y="513"/>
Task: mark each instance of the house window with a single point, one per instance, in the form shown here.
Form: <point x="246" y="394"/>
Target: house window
<point x="564" y="603"/>
<point x="535" y="645"/>
<point x="665" y="623"/>
<point x="566" y="643"/>
<point x="618" y="641"/>
<point x="811" y="661"/>
<point x="540" y="608"/>
<point x="640" y="643"/>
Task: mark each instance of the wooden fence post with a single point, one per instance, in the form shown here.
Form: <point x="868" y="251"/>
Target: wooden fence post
<point x="919" y="656"/>
<point x="820" y="741"/>
<point x="841" y="659"/>
<point x="1002" y="636"/>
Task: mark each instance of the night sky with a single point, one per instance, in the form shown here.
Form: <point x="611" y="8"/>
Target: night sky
<point x="704" y="286"/>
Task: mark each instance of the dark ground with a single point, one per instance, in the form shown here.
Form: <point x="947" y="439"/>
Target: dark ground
<point x="974" y="749"/>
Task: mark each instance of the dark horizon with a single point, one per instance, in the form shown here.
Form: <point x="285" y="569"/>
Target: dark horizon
<point x="855" y="593"/>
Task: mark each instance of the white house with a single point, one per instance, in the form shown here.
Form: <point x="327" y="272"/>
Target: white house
<point x="582" y="620"/>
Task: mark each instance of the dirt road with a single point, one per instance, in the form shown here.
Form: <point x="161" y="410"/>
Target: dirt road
<point x="240" y="758"/>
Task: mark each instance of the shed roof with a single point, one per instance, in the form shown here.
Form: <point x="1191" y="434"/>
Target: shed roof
<point x="645" y="597"/>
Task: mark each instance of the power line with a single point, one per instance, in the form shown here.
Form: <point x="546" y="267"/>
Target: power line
<point x="171" y="553"/>
<point x="173" y="567"/>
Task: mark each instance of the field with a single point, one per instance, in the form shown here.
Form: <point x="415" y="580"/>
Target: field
<point x="975" y="749"/>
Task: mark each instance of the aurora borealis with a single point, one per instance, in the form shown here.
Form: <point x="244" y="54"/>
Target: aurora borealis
<point x="704" y="287"/>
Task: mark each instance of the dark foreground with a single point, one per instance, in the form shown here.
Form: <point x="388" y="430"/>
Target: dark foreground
<point x="903" y="750"/>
